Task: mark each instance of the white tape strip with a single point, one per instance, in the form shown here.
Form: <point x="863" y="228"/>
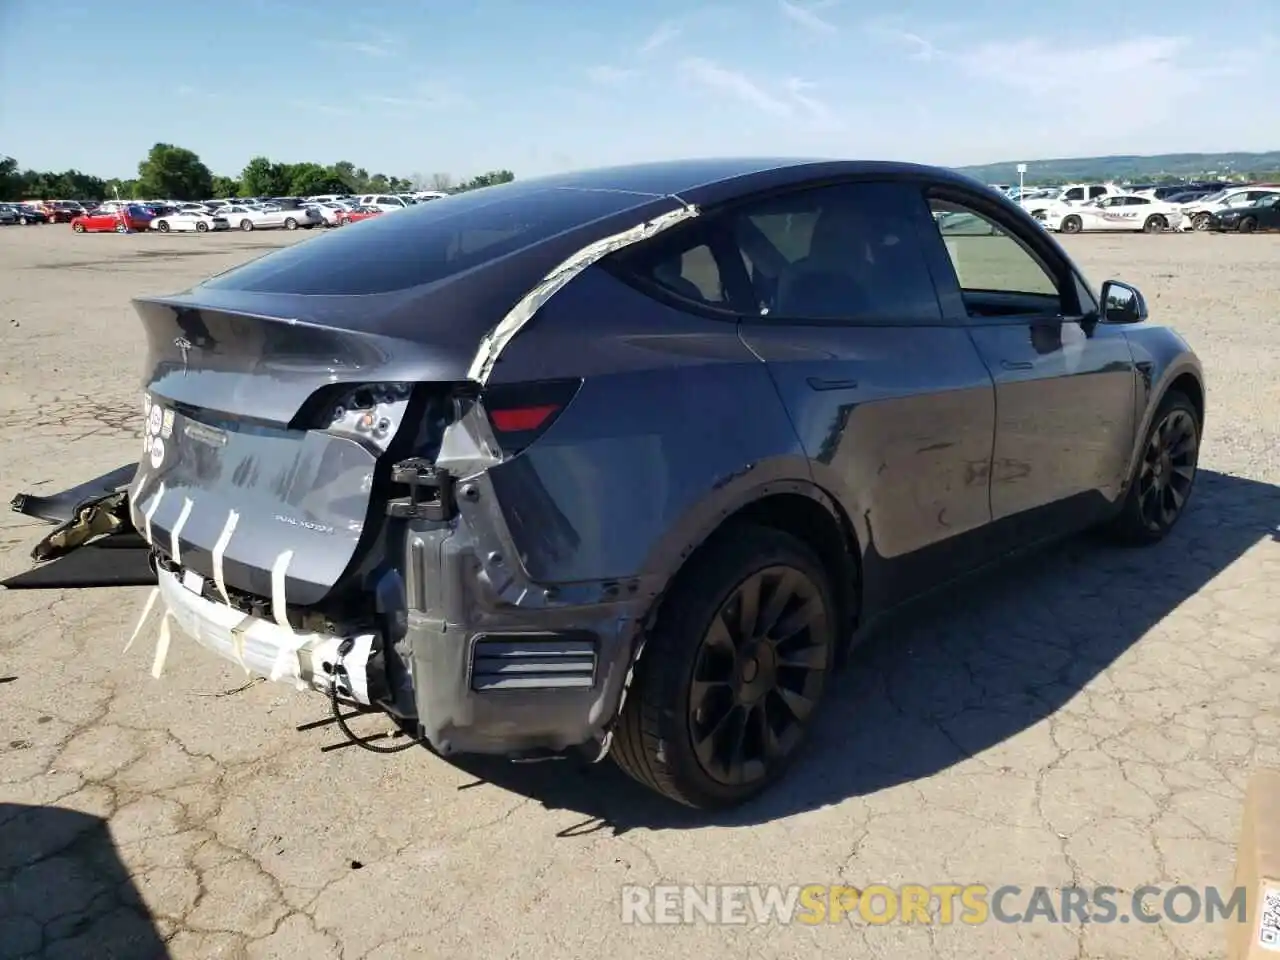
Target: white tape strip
<point x="146" y="612"/>
<point x="237" y="639"/>
<point x="162" y="646"/>
<point x="151" y="512"/>
<point x="279" y="603"/>
<point x="288" y="661"/>
<point x="219" y="549"/>
<point x="175" y="546"/>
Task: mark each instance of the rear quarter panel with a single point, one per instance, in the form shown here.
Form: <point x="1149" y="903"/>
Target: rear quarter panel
<point x="677" y="425"/>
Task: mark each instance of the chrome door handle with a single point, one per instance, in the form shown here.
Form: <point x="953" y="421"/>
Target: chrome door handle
<point x="1017" y="364"/>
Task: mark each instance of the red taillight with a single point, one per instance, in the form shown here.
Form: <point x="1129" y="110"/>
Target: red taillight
<point x="521" y="418"/>
<point x="522" y="412"/>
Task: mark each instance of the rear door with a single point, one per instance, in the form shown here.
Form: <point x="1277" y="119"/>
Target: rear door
<point x="1065" y="384"/>
<point x="890" y="399"/>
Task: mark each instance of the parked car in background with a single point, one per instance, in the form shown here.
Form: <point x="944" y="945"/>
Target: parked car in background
<point x="1199" y="213"/>
<point x="131" y="216"/>
<point x="196" y="220"/>
<point x="8" y="215"/>
<point x="386" y="202"/>
<point x="1121" y="211"/>
<point x="1071" y="195"/>
<point x="27" y="214"/>
<point x="1262" y="214"/>
<point x="269" y="217"/>
<point x="330" y="211"/>
<point x="357" y="213"/>
<point x="550" y="469"/>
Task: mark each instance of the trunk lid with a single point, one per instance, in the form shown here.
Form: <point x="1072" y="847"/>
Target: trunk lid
<point x="267" y="439"/>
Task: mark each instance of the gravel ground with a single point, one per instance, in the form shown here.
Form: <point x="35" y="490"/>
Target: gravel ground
<point x="1090" y="717"/>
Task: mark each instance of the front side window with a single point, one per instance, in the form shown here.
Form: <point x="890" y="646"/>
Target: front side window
<point x="1075" y="193"/>
<point x="991" y="260"/>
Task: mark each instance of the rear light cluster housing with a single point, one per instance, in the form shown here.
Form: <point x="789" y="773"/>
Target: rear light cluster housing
<point x="369" y="413"/>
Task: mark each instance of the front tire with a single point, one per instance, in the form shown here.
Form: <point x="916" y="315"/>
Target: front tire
<point x="1248" y="225"/>
<point x="1165" y="474"/>
<point x="1200" y="221"/>
<point x="733" y="671"/>
<point x="291" y="224"/>
<point x="202" y="227"/>
<point x="1072" y="224"/>
<point x="163" y="226"/>
<point x="246" y="225"/>
<point x="78" y="227"/>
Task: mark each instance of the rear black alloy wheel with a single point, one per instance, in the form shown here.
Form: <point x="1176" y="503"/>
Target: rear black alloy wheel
<point x="1166" y="474"/>
<point x="757" y="675"/>
<point x="733" y="671"/>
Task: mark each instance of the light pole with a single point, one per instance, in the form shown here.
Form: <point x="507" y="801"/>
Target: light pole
<point x="1022" y="171"/>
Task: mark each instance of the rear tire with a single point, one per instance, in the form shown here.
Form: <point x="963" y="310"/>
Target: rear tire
<point x="163" y="226"/>
<point x="742" y="677"/>
<point x="202" y="227"/>
<point x="78" y="227"/>
<point x="1248" y="225"/>
<point x="1155" y="224"/>
<point x="291" y="224"/>
<point x="246" y="225"/>
<point x="1164" y="476"/>
<point x="1072" y="224"/>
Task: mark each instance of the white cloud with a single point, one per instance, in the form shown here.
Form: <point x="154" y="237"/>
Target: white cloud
<point x="790" y="99"/>
<point x="661" y="36"/>
<point x="379" y="48"/>
<point x="921" y="49"/>
<point x="606" y="75"/>
<point x="807" y="17"/>
<point x="737" y="86"/>
<point x="421" y="96"/>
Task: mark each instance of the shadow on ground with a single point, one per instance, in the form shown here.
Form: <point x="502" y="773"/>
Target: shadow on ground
<point x="64" y="892"/>
<point x="958" y="674"/>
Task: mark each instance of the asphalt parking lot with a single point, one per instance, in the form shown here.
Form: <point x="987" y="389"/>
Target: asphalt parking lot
<point x="1090" y="717"/>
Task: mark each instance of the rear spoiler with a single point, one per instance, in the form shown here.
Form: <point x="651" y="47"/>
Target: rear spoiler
<point x="95" y="543"/>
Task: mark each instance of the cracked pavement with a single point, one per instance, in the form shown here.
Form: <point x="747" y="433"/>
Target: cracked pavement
<point x="1086" y="716"/>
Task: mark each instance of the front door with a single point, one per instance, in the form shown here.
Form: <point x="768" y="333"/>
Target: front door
<point x="1064" y="384"/>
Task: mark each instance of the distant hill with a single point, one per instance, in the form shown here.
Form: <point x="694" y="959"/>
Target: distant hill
<point x="1162" y="166"/>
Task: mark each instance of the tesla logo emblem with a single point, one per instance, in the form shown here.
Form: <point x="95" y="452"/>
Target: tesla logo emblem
<point x="184" y="345"/>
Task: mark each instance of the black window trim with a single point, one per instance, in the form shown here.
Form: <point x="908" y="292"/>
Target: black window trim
<point x="1030" y="236"/>
<point x="734" y="275"/>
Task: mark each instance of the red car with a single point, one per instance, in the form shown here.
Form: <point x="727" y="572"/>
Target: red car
<point x="113" y="221"/>
<point x="356" y="215"/>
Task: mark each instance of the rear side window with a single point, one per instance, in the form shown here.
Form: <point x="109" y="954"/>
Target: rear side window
<point x="844" y="253"/>
<point x="425" y="243"/>
<point x="849" y="252"/>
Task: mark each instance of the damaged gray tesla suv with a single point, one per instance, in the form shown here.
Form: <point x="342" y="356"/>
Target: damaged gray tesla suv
<point x="620" y="462"/>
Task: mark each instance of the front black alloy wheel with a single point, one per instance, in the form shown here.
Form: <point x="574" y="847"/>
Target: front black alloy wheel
<point x="733" y="671"/>
<point x="1165" y="474"/>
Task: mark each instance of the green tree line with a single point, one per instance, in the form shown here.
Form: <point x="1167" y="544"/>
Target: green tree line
<point x="170" y="172"/>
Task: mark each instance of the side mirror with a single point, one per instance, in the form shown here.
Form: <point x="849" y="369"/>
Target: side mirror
<point x="1122" y="303"/>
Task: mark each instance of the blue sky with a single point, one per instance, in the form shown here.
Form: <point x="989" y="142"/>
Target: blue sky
<point x="424" y="86"/>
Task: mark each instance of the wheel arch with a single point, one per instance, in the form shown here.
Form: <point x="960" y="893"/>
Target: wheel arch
<point x="800" y="508"/>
